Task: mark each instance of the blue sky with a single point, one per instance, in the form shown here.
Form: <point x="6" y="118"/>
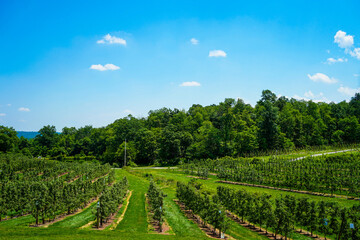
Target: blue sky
<point x="77" y="63"/>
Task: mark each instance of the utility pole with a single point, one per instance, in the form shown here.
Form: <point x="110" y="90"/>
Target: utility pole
<point x="125" y="154"/>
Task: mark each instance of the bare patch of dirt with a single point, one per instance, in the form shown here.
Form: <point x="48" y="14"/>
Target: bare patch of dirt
<point x="99" y="177"/>
<point x="62" y="174"/>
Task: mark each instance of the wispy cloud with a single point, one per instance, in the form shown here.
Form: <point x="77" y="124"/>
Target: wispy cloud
<point x="334" y="60"/>
<point x="190" y="84"/>
<point x="2" y="114"/>
<point x="348" y="91"/>
<point x="309" y="94"/>
<point x="106" y="67"/>
<point x="355" y="53"/>
<point x="194" y="41"/>
<point x="313" y="97"/>
<point x="24" y="109"/>
<point x="217" y="53"/>
<point x="320" y="77"/>
<point x="9" y="105"/>
<point x="108" y="39"/>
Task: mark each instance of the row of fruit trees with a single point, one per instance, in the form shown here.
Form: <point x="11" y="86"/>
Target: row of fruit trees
<point x="47" y="196"/>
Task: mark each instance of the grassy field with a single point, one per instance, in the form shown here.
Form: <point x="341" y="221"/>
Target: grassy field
<point x="134" y="224"/>
<point x="211" y="184"/>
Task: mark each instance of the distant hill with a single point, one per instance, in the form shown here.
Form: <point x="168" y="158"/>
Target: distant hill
<point x="28" y="135"/>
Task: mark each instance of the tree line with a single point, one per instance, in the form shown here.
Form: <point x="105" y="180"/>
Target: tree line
<point x="230" y="128"/>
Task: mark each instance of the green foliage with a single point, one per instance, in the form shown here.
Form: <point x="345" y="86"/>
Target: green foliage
<point x="110" y="200"/>
<point x="336" y="173"/>
<point x="156" y="202"/>
<point x="201" y="204"/>
<point x="230" y="128"/>
<point x="46" y="188"/>
<point x="281" y="214"/>
<point x="8" y="139"/>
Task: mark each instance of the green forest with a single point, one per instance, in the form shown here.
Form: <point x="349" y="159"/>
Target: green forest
<point x="230" y="128"/>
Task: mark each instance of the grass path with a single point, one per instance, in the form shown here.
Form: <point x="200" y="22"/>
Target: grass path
<point x="135" y="219"/>
<point x="180" y="225"/>
<point x="77" y="220"/>
<point x="183" y="227"/>
<point x="19" y="221"/>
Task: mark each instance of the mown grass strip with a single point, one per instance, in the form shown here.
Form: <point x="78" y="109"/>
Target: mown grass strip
<point x="78" y="220"/>
<point x="135" y="219"/>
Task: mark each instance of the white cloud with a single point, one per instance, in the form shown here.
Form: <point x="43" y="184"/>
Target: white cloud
<point x="106" y="67"/>
<point x="217" y="53"/>
<point x="343" y="40"/>
<point x="2" y="114"/>
<point x="348" y="91"/>
<point x="334" y="60"/>
<point x="355" y="53"/>
<point x="190" y="84"/>
<point x="315" y="98"/>
<point x="24" y="109"/>
<point x="328" y="51"/>
<point x="356" y="75"/>
<point x="194" y="41"/>
<point x="111" y="40"/>
<point x="9" y="105"/>
<point x="320" y="77"/>
<point x="347" y="42"/>
<point x="309" y="94"/>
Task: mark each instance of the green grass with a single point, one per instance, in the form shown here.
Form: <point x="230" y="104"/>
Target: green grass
<point x="169" y="178"/>
<point x="211" y="184"/>
<point x="183" y="227"/>
<point x="77" y="220"/>
<point x="135" y="219"/>
<point x="17" y="222"/>
<point x="180" y="225"/>
<point x="134" y="225"/>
